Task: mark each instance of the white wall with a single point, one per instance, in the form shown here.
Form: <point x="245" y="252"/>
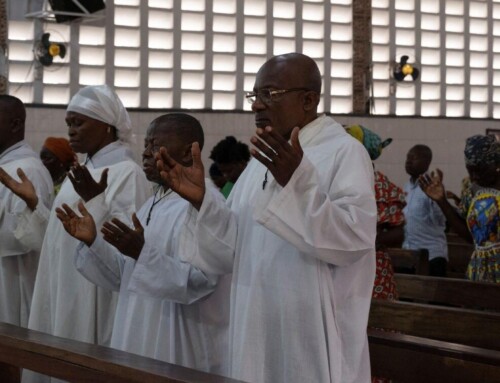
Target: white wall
<point x="446" y="137"/>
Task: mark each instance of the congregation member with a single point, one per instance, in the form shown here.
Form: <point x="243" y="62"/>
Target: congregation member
<point x="167" y="309"/>
<point x="64" y="303"/>
<point x="479" y="211"/>
<point x="216" y="176"/>
<point x="18" y="261"/>
<point x="425" y="222"/>
<point x="390" y="218"/>
<point x="57" y="156"/>
<point x="297" y="232"/>
<point x="231" y="157"/>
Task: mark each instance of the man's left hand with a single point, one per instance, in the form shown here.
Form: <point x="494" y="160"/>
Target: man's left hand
<point x="280" y="157"/>
<point x="129" y="241"/>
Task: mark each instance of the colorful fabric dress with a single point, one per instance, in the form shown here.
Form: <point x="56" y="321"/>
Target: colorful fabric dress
<point x="390" y="203"/>
<point x="483" y="220"/>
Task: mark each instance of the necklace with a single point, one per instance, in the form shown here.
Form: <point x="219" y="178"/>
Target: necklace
<point x="264" y="183"/>
<point x="155" y="202"/>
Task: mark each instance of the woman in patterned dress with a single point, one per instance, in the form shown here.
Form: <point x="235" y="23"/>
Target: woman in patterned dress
<point x="480" y="213"/>
<point x="390" y="219"/>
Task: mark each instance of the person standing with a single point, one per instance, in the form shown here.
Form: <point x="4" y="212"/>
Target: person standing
<point x="18" y="260"/>
<point x="425" y="222"/>
<point x="64" y="303"/>
<point x="58" y="157"/>
<point x="231" y="157"/>
<point x="297" y="232"/>
<point x="167" y="309"/>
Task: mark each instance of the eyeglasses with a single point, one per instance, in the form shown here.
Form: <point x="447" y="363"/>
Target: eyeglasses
<point x="268" y="96"/>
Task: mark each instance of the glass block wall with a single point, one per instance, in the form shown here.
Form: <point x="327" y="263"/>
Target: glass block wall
<point x="456" y="46"/>
<point x="214" y="48"/>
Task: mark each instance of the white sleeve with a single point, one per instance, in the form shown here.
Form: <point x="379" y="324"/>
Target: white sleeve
<point x="31" y="226"/>
<point x="10" y="214"/>
<point x="338" y="225"/>
<point x="101" y="264"/>
<point x="215" y="228"/>
<point x="162" y="276"/>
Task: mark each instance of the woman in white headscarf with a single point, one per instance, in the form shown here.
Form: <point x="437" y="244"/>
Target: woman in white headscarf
<point x="64" y="303"/>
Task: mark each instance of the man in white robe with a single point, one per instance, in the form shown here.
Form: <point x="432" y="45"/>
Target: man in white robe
<point x="18" y="261"/>
<point x="298" y="234"/>
<point x="64" y="303"/>
<point x="167" y="309"/>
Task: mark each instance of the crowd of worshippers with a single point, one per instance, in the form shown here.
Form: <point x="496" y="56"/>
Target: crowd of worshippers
<point x="265" y="273"/>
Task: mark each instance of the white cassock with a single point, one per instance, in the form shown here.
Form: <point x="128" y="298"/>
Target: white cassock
<point x="303" y="262"/>
<point x="64" y="303"/>
<point x="167" y="309"/>
<point x="19" y="260"/>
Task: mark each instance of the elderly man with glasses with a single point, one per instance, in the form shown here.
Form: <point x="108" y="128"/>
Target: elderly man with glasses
<point x="298" y="234"/>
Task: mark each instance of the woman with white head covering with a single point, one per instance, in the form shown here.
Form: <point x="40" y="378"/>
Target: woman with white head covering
<point x="64" y="303"/>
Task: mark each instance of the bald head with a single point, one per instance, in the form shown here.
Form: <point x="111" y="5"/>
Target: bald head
<point x="301" y="69"/>
<point x="12" y="120"/>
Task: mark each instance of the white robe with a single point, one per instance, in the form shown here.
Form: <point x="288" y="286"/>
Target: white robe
<point x="19" y="260"/>
<point x="64" y="303"/>
<point x="303" y="263"/>
<point x="167" y="309"/>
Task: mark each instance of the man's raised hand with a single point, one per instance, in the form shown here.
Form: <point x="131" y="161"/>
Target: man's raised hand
<point x="187" y="181"/>
<point x="127" y="240"/>
<point x="82" y="228"/>
<point x="24" y="189"/>
<point x="280" y="157"/>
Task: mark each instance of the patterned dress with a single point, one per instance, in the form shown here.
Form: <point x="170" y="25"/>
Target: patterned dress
<point x="483" y="220"/>
<point x="390" y="203"/>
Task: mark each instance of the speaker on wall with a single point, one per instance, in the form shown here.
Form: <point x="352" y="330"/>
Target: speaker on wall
<point x="70" y="6"/>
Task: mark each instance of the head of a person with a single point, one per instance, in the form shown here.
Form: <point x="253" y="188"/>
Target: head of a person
<point x="12" y="121"/>
<point x="418" y="160"/>
<point x="57" y="156"/>
<point x="231" y="157"/>
<point x="370" y="140"/>
<point x="176" y="132"/>
<point x="482" y="159"/>
<point x="286" y="93"/>
<point x="216" y="176"/>
<point x="96" y="117"/>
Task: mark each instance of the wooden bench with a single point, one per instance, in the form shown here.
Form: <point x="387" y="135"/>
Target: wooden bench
<point x="459" y="254"/>
<point x="410" y="359"/>
<point x="410" y="260"/>
<point x="82" y="362"/>
<point x="449" y="291"/>
<point x="463" y="326"/>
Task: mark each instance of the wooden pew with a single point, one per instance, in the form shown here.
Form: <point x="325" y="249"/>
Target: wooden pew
<point x="459" y="254"/>
<point x="82" y="362"/>
<point x="415" y="260"/>
<point x="463" y="326"/>
<point x="449" y="291"/>
<point x="410" y="359"/>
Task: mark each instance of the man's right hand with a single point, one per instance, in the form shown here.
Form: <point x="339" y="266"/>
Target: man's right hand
<point x="24" y="189"/>
<point x="82" y="228"/>
<point x="188" y="182"/>
<point x="432" y="185"/>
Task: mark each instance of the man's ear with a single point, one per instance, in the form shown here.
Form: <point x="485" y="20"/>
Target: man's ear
<point x="311" y="100"/>
<point x="187" y="158"/>
<point x="17" y="125"/>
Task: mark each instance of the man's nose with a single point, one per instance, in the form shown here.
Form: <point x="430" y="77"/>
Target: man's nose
<point x="258" y="104"/>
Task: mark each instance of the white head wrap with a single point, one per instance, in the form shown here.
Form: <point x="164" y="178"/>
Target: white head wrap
<point x="103" y="104"/>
